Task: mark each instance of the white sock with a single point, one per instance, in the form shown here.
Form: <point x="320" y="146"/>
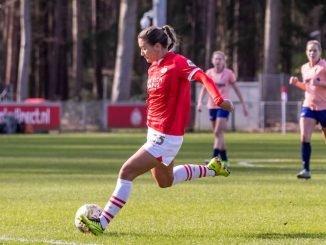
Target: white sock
<point x="189" y="172"/>
<point x="116" y="202"/>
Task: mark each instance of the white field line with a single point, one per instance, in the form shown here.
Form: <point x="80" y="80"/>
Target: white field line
<point x="270" y="160"/>
<point x="258" y="162"/>
<point x="31" y="241"/>
<point x="246" y="164"/>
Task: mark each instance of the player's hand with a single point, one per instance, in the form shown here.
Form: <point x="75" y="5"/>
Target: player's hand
<point x="245" y="111"/>
<point x="227" y="105"/>
<point x="199" y="107"/>
<point x="293" y="80"/>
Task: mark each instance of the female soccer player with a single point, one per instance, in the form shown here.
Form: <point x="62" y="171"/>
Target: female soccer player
<point x="168" y="102"/>
<point x="224" y="79"/>
<point x="314" y="105"/>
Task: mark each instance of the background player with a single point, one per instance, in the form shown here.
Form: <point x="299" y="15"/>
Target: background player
<point x="224" y="79"/>
<point x="314" y="105"/>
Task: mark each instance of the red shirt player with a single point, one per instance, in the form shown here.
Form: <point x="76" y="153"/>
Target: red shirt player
<point x="168" y="103"/>
<point x="168" y="88"/>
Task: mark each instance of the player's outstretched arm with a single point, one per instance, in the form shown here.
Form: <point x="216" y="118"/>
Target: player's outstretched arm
<point x="213" y="91"/>
<point x="295" y="82"/>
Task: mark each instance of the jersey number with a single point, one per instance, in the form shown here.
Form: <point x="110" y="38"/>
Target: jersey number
<point x="158" y="139"/>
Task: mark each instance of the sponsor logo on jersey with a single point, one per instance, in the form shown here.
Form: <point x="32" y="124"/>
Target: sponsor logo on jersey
<point x="154" y="83"/>
<point x="164" y="70"/>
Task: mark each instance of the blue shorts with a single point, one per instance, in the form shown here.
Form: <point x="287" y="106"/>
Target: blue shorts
<point x="215" y="113"/>
<point x="319" y="116"/>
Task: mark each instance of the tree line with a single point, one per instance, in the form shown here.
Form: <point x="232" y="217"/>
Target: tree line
<point x="63" y="50"/>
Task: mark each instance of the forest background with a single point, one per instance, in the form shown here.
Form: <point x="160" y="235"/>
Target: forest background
<point x="64" y="50"/>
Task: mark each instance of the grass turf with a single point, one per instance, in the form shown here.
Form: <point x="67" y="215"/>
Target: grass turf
<point x="44" y="179"/>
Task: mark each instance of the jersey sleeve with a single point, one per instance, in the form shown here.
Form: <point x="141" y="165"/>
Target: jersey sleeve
<point x="186" y="68"/>
<point x="233" y="78"/>
<point x="201" y="77"/>
<point x="323" y="71"/>
<point x="323" y="63"/>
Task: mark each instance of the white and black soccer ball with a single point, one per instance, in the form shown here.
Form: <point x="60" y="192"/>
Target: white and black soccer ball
<point x="91" y="211"/>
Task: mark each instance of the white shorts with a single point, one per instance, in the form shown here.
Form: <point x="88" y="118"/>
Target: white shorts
<point x="162" y="146"/>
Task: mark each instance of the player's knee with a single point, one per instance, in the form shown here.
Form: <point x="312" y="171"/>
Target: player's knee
<point x="305" y="138"/>
<point x="127" y="173"/>
<point x="218" y="133"/>
<point x="165" y="184"/>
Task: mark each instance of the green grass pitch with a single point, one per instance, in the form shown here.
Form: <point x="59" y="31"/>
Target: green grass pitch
<point x="44" y="179"/>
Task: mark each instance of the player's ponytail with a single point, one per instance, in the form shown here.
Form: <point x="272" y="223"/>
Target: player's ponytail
<point x="165" y="36"/>
<point x="169" y="31"/>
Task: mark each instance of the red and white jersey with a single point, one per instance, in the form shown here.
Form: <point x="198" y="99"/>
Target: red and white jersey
<point x="168" y="89"/>
<point x="223" y="81"/>
<point x="315" y="96"/>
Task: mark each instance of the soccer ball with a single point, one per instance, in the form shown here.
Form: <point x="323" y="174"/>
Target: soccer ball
<point x="91" y="211"/>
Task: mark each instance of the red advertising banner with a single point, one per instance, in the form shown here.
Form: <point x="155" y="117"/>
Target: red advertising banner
<point x="129" y="115"/>
<point x="126" y="115"/>
<point x="43" y="116"/>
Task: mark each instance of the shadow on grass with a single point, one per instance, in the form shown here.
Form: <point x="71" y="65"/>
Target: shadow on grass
<point x="154" y="236"/>
<point x="262" y="236"/>
<point x="303" y="235"/>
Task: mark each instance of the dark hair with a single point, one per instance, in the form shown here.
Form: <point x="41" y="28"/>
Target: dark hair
<point x="165" y="36"/>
